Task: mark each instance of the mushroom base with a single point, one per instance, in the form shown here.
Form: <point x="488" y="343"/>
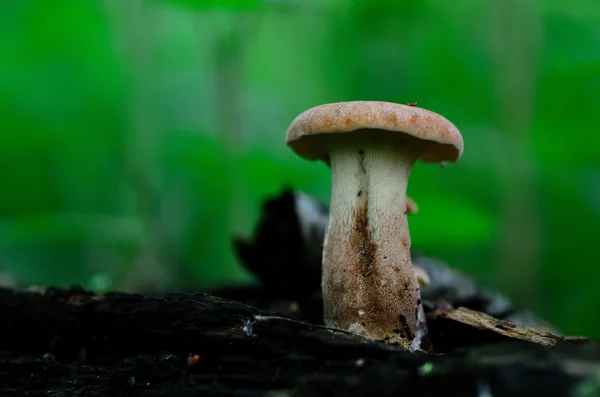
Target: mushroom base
<point x="369" y="283"/>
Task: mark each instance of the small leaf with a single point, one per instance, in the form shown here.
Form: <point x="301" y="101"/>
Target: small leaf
<point x="100" y="283"/>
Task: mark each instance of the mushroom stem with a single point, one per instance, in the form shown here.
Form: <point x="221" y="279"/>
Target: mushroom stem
<point x="369" y="283"/>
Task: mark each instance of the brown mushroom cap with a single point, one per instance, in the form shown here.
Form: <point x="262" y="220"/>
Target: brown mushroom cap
<point x="446" y="141"/>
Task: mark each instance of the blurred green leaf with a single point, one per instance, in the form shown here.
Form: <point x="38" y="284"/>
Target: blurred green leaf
<point x="449" y="221"/>
<point x="313" y="178"/>
<point x="100" y="283"/>
<point x="61" y="227"/>
<point x="223" y="5"/>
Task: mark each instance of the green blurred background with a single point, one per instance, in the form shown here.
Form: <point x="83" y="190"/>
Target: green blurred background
<point x="137" y="137"/>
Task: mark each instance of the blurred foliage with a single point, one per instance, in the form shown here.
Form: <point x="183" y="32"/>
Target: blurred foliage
<point x="138" y="136"/>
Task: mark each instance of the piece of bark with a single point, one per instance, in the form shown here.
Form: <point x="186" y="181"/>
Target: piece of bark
<point x="452" y="328"/>
<point x="74" y="343"/>
<point x="285" y="250"/>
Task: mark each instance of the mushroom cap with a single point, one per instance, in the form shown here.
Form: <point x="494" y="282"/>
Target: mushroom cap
<point x="446" y="142"/>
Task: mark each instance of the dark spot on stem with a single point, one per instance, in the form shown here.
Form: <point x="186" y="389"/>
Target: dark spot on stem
<point x="359" y="193"/>
<point x="405" y="327"/>
<point x="363" y="243"/>
<point x="361" y="161"/>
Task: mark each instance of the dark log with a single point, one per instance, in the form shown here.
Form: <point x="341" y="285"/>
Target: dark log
<point x="74" y="343"/>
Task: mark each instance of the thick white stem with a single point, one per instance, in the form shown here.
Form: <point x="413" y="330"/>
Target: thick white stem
<point x="369" y="284"/>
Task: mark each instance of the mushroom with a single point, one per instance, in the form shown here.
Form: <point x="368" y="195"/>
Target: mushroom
<point x="411" y="206"/>
<point x="422" y="276"/>
<point x="369" y="284"/>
